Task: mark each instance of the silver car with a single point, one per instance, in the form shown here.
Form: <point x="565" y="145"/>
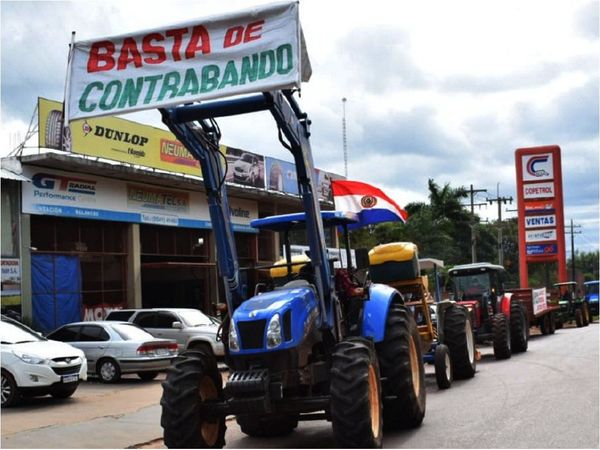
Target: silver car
<point x="115" y="348"/>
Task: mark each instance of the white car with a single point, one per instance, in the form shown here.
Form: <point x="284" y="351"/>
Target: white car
<point x="33" y="365"/>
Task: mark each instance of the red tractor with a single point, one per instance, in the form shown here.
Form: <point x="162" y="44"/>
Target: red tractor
<point x="495" y="314"/>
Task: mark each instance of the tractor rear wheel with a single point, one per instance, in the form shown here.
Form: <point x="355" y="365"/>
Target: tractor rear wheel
<point x="443" y="366"/>
<point x="552" y="321"/>
<point x="192" y="380"/>
<point x="545" y="324"/>
<point x="501" y="333"/>
<point x="401" y="363"/>
<point x="586" y="314"/>
<point x="267" y="426"/>
<point x="355" y="404"/>
<point x="578" y="318"/>
<point x="519" y="327"/>
<point x="458" y="336"/>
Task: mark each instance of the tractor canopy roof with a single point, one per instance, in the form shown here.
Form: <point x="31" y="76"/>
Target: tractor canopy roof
<point x="591" y="283"/>
<point x="475" y="268"/>
<point x="297" y="221"/>
<point x="565" y="283"/>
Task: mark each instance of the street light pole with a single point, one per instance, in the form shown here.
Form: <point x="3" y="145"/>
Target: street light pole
<point x="344" y="142"/>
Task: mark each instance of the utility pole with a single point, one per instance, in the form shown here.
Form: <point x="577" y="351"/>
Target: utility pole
<point x="472" y="193"/>
<point x="500" y="200"/>
<point x="344" y="142"/>
<point x="573" y="233"/>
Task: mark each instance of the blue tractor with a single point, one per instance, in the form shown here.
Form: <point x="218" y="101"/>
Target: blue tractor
<point x="298" y="351"/>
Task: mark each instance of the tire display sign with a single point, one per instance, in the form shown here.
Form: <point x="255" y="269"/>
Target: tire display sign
<point x="259" y="49"/>
<point x="540" y="210"/>
<point x="540" y="235"/>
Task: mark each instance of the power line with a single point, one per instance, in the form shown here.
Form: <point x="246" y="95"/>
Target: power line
<point x="572" y="233"/>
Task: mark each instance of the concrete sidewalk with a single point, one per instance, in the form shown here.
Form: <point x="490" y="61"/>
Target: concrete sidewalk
<point x="118" y="431"/>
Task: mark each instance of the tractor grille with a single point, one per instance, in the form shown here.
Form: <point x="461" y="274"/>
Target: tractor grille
<point x="252" y="334"/>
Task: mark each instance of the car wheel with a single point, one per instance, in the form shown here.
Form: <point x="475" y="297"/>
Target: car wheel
<point x="108" y="370"/>
<point x="64" y="391"/>
<point x="10" y="391"/>
<point x="147" y="376"/>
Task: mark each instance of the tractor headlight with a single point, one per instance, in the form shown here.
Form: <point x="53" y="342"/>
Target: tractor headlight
<point x="234" y="345"/>
<point x="274" y="337"/>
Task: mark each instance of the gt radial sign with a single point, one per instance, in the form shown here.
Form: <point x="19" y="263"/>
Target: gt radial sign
<point x="256" y="50"/>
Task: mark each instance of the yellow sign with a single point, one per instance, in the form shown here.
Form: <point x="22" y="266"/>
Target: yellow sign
<point x="117" y="139"/>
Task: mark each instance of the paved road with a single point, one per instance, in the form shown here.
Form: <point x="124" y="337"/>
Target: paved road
<point x="545" y="398"/>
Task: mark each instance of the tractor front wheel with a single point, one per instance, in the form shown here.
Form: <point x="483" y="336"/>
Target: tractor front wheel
<point x="544" y="323"/>
<point x="192" y="381"/>
<point x="578" y="317"/>
<point x="519" y="327"/>
<point x="586" y="314"/>
<point x="356" y="395"/>
<point x="443" y="366"/>
<point x="401" y="364"/>
<point x="501" y="333"/>
<point x="458" y="336"/>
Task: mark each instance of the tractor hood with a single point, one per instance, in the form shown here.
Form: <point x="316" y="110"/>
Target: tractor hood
<point x="297" y="311"/>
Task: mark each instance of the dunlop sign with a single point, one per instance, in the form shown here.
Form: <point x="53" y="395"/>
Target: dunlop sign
<point x="256" y="50"/>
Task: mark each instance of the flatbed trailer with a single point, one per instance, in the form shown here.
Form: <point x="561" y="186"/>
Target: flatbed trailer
<point x="540" y="312"/>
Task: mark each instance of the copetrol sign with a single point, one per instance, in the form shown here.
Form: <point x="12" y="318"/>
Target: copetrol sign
<point x="537" y="167"/>
<point x="57" y="193"/>
<point x="255" y="50"/>
<point x="540" y="207"/>
<point x="538" y="190"/>
<point x="540" y="221"/>
<point x="540" y="235"/>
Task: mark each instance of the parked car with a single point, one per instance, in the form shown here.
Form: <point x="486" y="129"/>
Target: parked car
<point x="115" y="348"/>
<point x="191" y="328"/>
<point x="34" y="366"/>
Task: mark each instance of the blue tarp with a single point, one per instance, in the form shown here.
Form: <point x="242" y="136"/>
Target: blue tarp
<point x="56" y="291"/>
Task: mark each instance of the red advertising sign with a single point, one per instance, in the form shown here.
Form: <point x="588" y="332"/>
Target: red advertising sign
<point x="540" y="203"/>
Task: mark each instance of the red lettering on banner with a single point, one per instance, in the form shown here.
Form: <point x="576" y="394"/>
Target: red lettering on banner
<point x="177" y="35"/>
<point x="233" y="36"/>
<point x="199" y="34"/>
<point x="129" y="54"/>
<point x="253" y="27"/>
<point x="158" y="50"/>
<point x="101" y="56"/>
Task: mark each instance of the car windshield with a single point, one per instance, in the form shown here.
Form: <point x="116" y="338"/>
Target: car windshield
<point x="194" y="318"/>
<point x="131" y="332"/>
<point x="591" y="288"/>
<point x="12" y="333"/>
<point x="471" y="284"/>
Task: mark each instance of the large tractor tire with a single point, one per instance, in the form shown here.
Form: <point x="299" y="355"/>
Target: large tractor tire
<point x="579" y="317"/>
<point x="356" y="409"/>
<point x="519" y="327"/>
<point x="501" y="336"/>
<point x="192" y="380"/>
<point x="401" y="363"/>
<point x="458" y="336"/>
<point x="443" y="366"/>
<point x="267" y="426"/>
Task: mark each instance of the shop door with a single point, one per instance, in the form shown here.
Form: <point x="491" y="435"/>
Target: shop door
<point x="56" y="290"/>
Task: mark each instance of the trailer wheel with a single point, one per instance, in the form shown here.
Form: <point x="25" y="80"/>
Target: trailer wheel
<point x="356" y="395"/>
<point x="586" y="314"/>
<point x="558" y="325"/>
<point x="552" y="322"/>
<point x="578" y="317"/>
<point x="192" y="380"/>
<point x="544" y="323"/>
<point x="267" y="426"/>
<point x="519" y="327"/>
<point x="401" y="364"/>
<point x="501" y="333"/>
<point x="458" y="336"/>
<point x="443" y="366"/>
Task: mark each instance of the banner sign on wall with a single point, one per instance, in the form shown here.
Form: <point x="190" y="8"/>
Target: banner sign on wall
<point x="541" y="214"/>
<point x="58" y="193"/>
<point x="11" y="281"/>
<point x="244" y="167"/>
<point x="256" y="50"/>
<point x="281" y="176"/>
<point x="539" y="300"/>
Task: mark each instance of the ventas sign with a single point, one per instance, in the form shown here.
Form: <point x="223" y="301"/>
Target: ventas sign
<point x="256" y="50"/>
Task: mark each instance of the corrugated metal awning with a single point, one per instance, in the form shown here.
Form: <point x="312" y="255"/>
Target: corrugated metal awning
<point x="8" y="175"/>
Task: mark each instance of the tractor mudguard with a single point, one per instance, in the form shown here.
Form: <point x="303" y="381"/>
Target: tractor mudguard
<point x="297" y="308"/>
<point x="376" y="310"/>
<point x="440" y="313"/>
<point x="504" y="304"/>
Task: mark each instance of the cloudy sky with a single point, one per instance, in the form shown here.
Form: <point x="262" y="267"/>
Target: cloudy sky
<point x="436" y="89"/>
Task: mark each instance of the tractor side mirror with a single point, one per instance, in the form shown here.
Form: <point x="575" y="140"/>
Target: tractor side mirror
<point x="362" y="258"/>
